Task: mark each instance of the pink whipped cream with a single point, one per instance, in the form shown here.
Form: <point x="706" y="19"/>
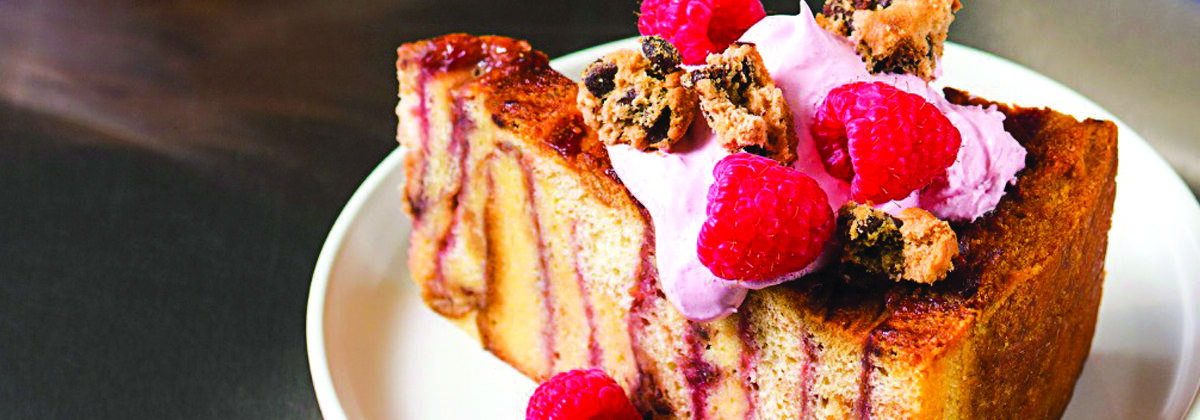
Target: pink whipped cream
<point x="806" y="62"/>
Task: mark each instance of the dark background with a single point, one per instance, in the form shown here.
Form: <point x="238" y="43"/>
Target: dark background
<point x="169" y="170"/>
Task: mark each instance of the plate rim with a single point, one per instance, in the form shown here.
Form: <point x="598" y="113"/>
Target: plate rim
<point x="318" y="363"/>
<point x="322" y="377"/>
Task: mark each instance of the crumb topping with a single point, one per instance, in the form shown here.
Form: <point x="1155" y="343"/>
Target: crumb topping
<point x="742" y="104"/>
<point x="915" y="246"/>
<point x="929" y="246"/>
<point x="893" y="36"/>
<point x="638" y="98"/>
<point x="873" y="247"/>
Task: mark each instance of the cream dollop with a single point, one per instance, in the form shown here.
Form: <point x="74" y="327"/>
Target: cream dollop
<point x="806" y="62"/>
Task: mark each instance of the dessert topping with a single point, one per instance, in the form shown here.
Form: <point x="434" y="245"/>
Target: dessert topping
<point x="914" y="246"/>
<point x="662" y="55"/>
<point x="886" y="142"/>
<point x="598" y="78"/>
<point x="743" y="105"/>
<point x="699" y="27"/>
<point x="806" y="63"/>
<point x="929" y="246"/>
<point x="872" y="245"/>
<point x="893" y="36"/>
<point x="638" y="98"/>
<point x="580" y="394"/>
<point x="764" y="220"/>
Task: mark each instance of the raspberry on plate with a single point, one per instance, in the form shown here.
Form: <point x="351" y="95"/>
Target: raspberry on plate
<point x="886" y="142"/>
<point x="699" y="27"/>
<point x="764" y="221"/>
<point x="582" y="394"/>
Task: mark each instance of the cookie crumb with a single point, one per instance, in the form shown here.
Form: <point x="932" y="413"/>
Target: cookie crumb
<point x="872" y="245"/>
<point x="914" y="246"/>
<point x="742" y="104"/>
<point x="893" y="36"/>
<point x="599" y="78"/>
<point x="929" y="246"/>
<point x="661" y="53"/>
<point x="638" y="98"/>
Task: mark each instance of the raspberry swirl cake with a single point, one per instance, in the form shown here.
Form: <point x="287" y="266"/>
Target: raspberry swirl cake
<point x="792" y="225"/>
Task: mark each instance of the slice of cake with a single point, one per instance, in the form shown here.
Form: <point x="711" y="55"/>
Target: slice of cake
<point x="523" y="236"/>
<point x="971" y="293"/>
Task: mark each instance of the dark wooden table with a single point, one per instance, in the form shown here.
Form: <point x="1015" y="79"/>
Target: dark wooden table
<point x="169" y="170"/>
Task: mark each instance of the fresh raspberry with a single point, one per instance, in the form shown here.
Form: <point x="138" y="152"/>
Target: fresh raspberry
<point x="580" y="394"/>
<point x="764" y="220"/>
<point x="886" y="142"/>
<point x="699" y="27"/>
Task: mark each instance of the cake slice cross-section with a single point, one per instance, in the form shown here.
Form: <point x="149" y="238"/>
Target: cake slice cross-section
<point x="522" y="235"/>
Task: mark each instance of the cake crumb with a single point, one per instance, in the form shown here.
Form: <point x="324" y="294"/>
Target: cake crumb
<point x="914" y="246"/>
<point x="893" y="36"/>
<point x="742" y="104"/>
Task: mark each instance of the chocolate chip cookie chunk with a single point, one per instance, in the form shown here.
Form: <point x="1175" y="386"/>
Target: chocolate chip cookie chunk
<point x="914" y="246"/>
<point x="743" y="106"/>
<point x="893" y="36"/>
<point x="638" y="97"/>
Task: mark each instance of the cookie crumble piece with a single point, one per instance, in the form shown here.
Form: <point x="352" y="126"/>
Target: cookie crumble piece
<point x="914" y="246"/>
<point x="742" y="104"/>
<point x="929" y="246"/>
<point x="893" y="36"/>
<point x="872" y="245"/>
<point x="638" y="98"/>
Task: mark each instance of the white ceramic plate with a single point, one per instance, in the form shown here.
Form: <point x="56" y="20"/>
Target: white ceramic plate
<point x="376" y="351"/>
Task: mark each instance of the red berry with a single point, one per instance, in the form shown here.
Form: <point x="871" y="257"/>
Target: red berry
<point x="580" y="394"/>
<point x="699" y="27"/>
<point x="886" y="142"/>
<point x="764" y="220"/>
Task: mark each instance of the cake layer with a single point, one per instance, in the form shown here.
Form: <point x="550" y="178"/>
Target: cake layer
<point x="522" y="235"/>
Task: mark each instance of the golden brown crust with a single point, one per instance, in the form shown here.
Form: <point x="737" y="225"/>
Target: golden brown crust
<point x="519" y="89"/>
<point x="1044" y="299"/>
<point x="743" y="106"/>
<point x="1014" y="321"/>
